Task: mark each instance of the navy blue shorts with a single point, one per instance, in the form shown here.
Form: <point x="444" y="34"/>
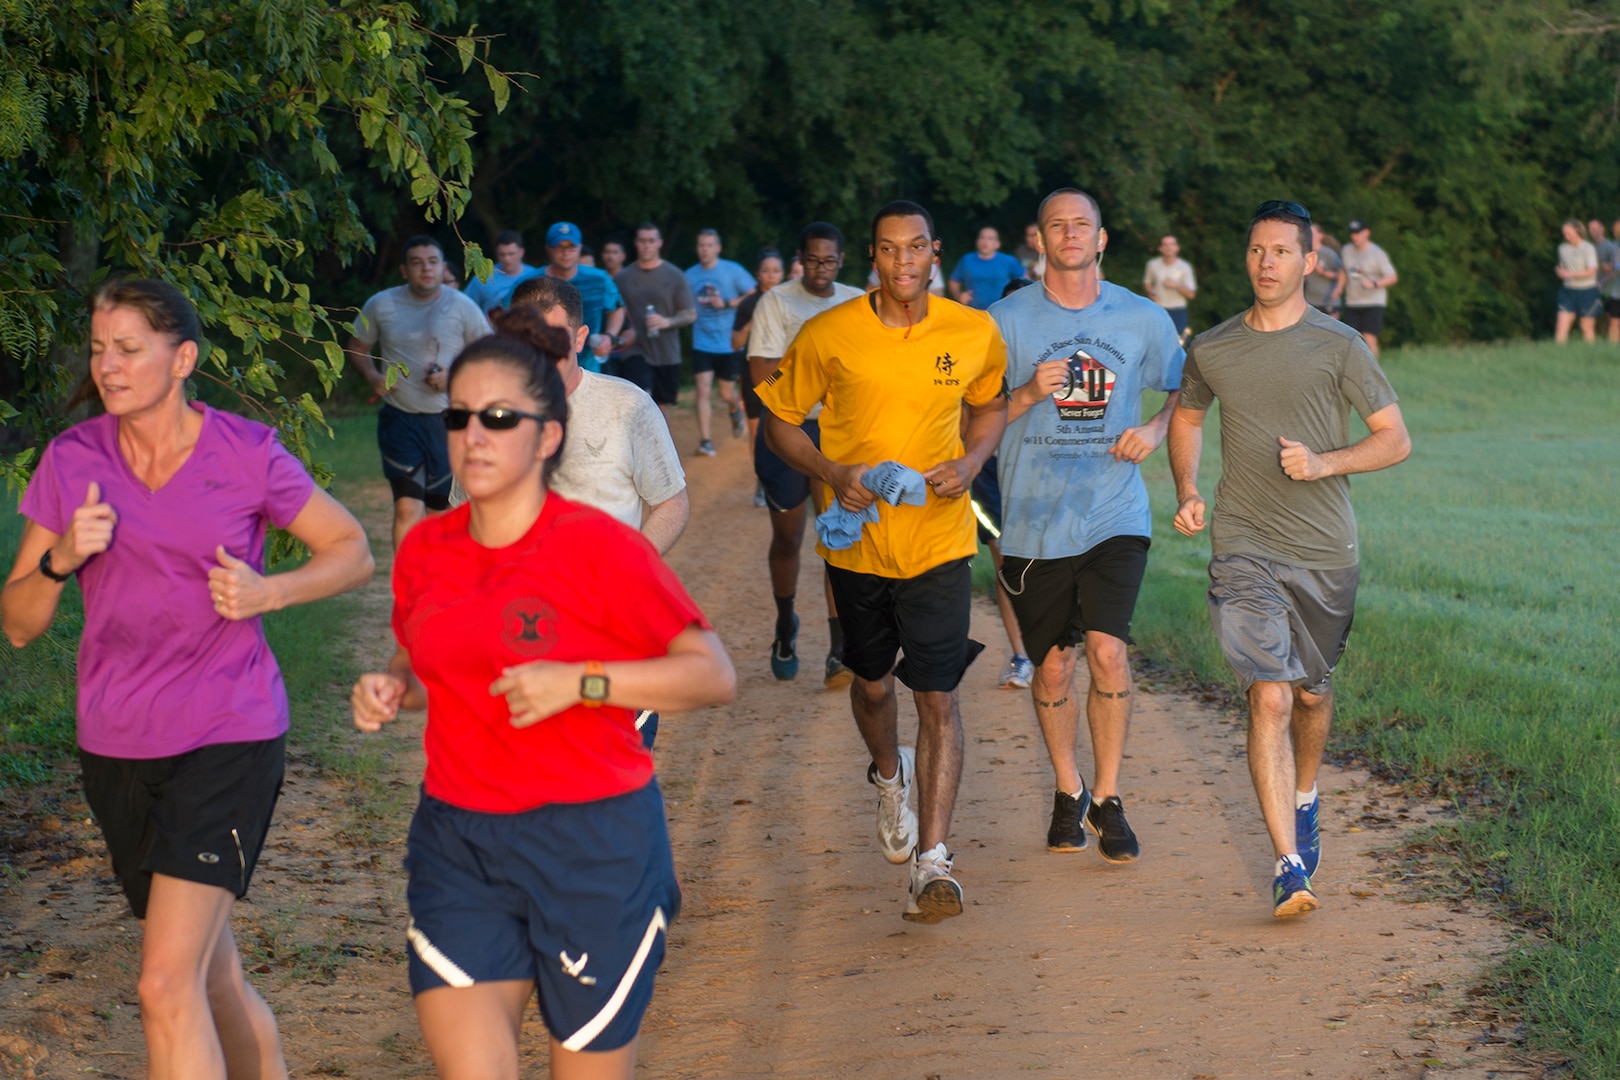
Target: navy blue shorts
<point x="786" y="488"/>
<point x="415" y="455"/>
<point x="986" y="494"/>
<point x="576" y="897"/>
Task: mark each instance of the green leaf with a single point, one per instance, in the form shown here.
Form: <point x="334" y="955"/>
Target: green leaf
<point x="195" y="36"/>
<point x="464" y="49"/>
<point x="498" y="85"/>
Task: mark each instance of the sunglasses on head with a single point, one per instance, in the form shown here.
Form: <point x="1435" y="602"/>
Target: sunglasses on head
<point x="495" y="418"/>
<point x="1273" y="206"/>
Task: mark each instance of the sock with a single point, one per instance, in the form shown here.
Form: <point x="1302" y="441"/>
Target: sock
<point x="895" y="779"/>
<point x="1295" y="859"/>
<point x="1075" y="795"/>
<point x="1302" y="799"/>
<point x="835" y="634"/>
<point x="784" y="618"/>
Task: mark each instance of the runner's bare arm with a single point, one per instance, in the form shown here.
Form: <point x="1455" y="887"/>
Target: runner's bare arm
<point x="793" y="446"/>
<point x="663" y="524"/>
<point x="1387" y="443"/>
<point x="1186" y="447"/>
<point x="1135" y="444"/>
<point x="378" y="696"/>
<point x="28" y="602"/>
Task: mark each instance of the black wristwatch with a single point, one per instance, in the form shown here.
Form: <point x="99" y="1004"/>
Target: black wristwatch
<point x="593" y="685"/>
<point x="45" y="568"/>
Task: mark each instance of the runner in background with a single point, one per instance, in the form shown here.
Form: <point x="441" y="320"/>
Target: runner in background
<point x="769" y="272"/>
<point x="718" y="286"/>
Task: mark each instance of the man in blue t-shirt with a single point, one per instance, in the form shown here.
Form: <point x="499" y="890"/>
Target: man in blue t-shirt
<point x="510" y="269"/>
<point x="1081" y="356"/>
<point x="718" y="286"/>
<point x="980" y="278"/>
<point x="604" y="308"/>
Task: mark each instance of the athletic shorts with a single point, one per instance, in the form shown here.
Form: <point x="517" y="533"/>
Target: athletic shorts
<point x="926" y="616"/>
<point x="415" y="455"/>
<point x="1279" y="623"/>
<point x="1586" y="303"/>
<point x="574" y="897"/>
<point x="1178" y="318"/>
<point x="1058" y="600"/>
<point x="723" y="364"/>
<point x="1611" y="307"/>
<point x="200" y="816"/>
<point x="753" y="408"/>
<point x="1364" y="320"/>
<point x="986" y="494"/>
<point x="786" y="488"/>
<point x="662" y="382"/>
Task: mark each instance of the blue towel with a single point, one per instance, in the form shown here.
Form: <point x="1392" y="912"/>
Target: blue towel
<point x="839" y="529"/>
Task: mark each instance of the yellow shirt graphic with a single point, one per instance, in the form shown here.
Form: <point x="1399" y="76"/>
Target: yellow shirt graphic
<point x="894" y="395"/>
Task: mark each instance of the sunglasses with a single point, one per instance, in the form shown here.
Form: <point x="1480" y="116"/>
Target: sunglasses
<point x="1274" y="206"/>
<point x="496" y="418"/>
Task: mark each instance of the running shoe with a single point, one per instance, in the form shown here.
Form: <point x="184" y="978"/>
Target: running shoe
<point x="838" y="676"/>
<point x="706" y="448"/>
<point x="785" y="654"/>
<point x="1018" y="673"/>
<point x="1068" y="831"/>
<point x="739" y="424"/>
<point x="896" y="821"/>
<point x="1116" y="843"/>
<point x="935" y="895"/>
<point x="1308" y="836"/>
<point x="759" y="495"/>
<point x="1291" y="892"/>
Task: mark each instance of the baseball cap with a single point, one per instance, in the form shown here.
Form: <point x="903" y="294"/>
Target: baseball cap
<point x="1356" y="225"/>
<point x="564" y="232"/>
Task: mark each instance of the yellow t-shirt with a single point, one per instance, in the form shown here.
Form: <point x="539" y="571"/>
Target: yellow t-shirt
<point x="894" y="395"/>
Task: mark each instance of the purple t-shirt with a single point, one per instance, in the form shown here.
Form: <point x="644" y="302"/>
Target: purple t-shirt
<point x="160" y="672"/>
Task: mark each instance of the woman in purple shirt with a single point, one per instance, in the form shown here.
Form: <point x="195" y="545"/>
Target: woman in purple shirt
<point x="160" y="508"/>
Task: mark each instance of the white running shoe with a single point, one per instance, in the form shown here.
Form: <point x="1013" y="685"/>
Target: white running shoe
<point x="1018" y="672"/>
<point x="896" y="821"/>
<point x="935" y="895"/>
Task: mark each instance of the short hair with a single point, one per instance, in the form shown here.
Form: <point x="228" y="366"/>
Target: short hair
<point x="509" y="236"/>
<point x="527" y="345"/>
<point x="1277" y="213"/>
<point x="546" y="292"/>
<point x="709" y="232"/>
<point x="1569" y="223"/>
<point x="992" y="228"/>
<point x="1096" y="207"/>
<point x="826" y="230"/>
<point x="165" y="308"/>
<point x="647" y="226"/>
<point x="902" y="208"/>
<point x="420" y="240"/>
<point x="769" y="253"/>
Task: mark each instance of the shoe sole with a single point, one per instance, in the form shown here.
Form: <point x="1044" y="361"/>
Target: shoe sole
<point x="1116" y="859"/>
<point x="1298" y="904"/>
<point x="1067" y="849"/>
<point x="939" y="900"/>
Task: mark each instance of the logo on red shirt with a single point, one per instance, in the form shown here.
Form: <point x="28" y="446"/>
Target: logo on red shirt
<point x="529" y="626"/>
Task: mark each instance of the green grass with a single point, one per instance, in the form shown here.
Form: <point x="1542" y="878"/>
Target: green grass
<point x="1482" y="665"/>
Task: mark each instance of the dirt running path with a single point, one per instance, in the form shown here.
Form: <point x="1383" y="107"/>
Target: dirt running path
<point x="790" y="957"/>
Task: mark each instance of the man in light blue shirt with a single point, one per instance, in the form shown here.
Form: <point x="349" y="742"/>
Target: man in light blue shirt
<point x="1081" y="356"/>
<point x="604" y="308"/>
<point x="509" y="270"/>
<point x="982" y="276"/>
<point x="718" y="286"/>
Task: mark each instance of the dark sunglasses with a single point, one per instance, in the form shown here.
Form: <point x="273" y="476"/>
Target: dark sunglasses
<point x="497" y="418"/>
<point x="1273" y="206"/>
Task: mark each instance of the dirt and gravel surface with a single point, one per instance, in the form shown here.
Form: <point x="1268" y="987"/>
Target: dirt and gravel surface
<point x="790" y="957"/>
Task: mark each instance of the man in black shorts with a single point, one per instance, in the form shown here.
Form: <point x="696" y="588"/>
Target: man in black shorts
<point x="658" y="302"/>
<point x="1283" y="577"/>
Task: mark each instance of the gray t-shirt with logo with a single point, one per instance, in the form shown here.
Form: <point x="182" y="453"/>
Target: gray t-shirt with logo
<point x="419" y="334"/>
<point x="666" y="291"/>
<point x="618" y="455"/>
<point x="1299" y="384"/>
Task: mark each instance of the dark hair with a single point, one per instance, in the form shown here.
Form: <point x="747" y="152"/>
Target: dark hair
<point x="769" y="253"/>
<point x="902" y="208"/>
<point x="826" y="230"/>
<point x="1096" y="207"/>
<point x="508" y="236"/>
<point x="547" y="292"/>
<point x="530" y="347"/>
<point x="166" y="308"/>
<point x="646" y="226"/>
<point x="707" y="232"/>
<point x="1014" y="285"/>
<point x="1303" y="224"/>
<point x="420" y="240"/>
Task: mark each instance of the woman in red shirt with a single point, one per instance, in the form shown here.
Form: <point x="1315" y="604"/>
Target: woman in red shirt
<point x="532" y="629"/>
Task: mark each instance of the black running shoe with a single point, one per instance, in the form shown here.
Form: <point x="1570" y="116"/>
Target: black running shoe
<point x="1115" y="841"/>
<point x="1068" y="831"/>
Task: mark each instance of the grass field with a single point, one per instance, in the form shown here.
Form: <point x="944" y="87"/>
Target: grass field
<point x="1483" y="661"/>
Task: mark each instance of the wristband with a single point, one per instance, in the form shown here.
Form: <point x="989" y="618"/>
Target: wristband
<point x="45" y="568"/>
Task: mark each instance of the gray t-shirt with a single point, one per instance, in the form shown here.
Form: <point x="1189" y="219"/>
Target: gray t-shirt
<point x="1365" y="266"/>
<point x="665" y="290"/>
<point x="419" y="334"/>
<point x="1299" y="384"/>
<point x="1607" y="279"/>
<point x="618" y="455"/>
<point x="1581" y="260"/>
<point x="1317" y="287"/>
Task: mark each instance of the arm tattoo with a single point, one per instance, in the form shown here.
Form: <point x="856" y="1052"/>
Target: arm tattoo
<point x="1053" y="704"/>
<point x="1106" y="694"/>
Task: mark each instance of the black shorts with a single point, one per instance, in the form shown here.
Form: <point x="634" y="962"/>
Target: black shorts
<point x="415" y="455"/>
<point x="723" y="364"/>
<point x="753" y="408"/>
<point x="786" y="488"/>
<point x="927" y="616"/>
<point x="662" y="382"/>
<point x="199" y="816"/>
<point x="1058" y="600"/>
<point x="1611" y="307"/>
<point x="986" y="493"/>
<point x="1364" y="320"/>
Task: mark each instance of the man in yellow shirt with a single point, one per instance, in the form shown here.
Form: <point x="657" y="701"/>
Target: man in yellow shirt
<point x="895" y="368"/>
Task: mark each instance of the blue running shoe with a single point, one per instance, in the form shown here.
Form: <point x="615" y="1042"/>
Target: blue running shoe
<point x="785" y="654"/>
<point x="1308" y="836"/>
<point x="1291" y="892"/>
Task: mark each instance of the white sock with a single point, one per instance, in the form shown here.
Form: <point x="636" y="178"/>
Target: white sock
<point x="1295" y="859"/>
<point x="937" y="853"/>
<point x="895" y="779"/>
<point x="1076" y="795"/>
<point x="1302" y="799"/>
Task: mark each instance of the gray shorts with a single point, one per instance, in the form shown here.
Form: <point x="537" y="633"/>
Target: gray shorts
<point x="1279" y="623"/>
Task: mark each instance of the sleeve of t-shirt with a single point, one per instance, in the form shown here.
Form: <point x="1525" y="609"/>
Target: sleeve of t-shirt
<point x="766" y="336"/>
<point x="683" y="295"/>
<point x="1165" y="358"/>
<point x="611" y="300"/>
<point x="993" y="378"/>
<point x="742" y="280"/>
<point x="1385" y="267"/>
<point x="1195" y="392"/>
<point x="475" y="324"/>
<point x="365" y="323"/>
<point x="657" y="472"/>
<point x="1362" y="381"/>
<point x="1192" y="278"/>
<point x="650" y="606"/>
<point x="794" y="388"/>
<point x="959" y="271"/>
<point x="287" y="484"/>
<point x="44" y="502"/>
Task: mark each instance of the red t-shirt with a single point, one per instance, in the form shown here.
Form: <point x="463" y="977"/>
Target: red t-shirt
<point x="578" y="586"/>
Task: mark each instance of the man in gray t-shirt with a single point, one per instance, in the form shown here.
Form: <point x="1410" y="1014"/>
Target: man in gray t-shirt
<point x="1285" y="568"/>
<point x="657" y="303"/>
<point x="419" y="327"/>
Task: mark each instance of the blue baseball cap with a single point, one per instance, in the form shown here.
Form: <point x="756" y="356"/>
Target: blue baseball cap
<point x="564" y="232"/>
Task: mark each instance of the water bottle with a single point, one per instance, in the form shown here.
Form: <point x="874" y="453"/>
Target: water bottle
<point x="652" y="331"/>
